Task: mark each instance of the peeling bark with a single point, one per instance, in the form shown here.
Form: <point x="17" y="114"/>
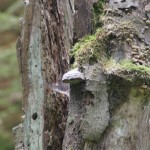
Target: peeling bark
<point x="44" y="59"/>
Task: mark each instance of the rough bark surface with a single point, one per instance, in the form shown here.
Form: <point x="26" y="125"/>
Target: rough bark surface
<point x="115" y="103"/>
<point x="107" y="111"/>
<point x="44" y="59"/>
<point x="83" y="18"/>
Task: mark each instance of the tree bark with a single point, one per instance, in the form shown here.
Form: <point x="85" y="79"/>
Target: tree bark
<point x="107" y="111"/>
<point x="44" y="59"/>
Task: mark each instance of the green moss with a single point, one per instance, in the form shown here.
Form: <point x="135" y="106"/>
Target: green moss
<point x="90" y="49"/>
<point x="83" y="42"/>
<point x="93" y="48"/>
<point x="117" y="124"/>
<point x="83" y="50"/>
<point x="97" y="12"/>
<point x="126" y="65"/>
<point x="129" y="66"/>
<point x="135" y="74"/>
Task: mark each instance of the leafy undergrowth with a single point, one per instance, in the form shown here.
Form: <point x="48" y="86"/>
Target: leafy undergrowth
<point x="10" y="96"/>
<point x="10" y="84"/>
<point x="8" y="22"/>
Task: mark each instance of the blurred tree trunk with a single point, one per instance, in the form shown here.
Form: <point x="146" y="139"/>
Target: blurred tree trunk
<point x="110" y="111"/>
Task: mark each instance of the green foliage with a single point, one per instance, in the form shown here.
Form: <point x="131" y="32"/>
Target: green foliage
<point x="10" y="95"/>
<point x="16" y="9"/>
<point x="10" y="85"/>
<point x="8" y="22"/>
<point x="97" y="12"/>
<point x="5" y="141"/>
<point x="9" y="73"/>
<point x="8" y="61"/>
<point x="4" y="4"/>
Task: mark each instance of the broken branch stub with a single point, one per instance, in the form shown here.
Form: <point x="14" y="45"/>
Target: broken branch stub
<point x="73" y="77"/>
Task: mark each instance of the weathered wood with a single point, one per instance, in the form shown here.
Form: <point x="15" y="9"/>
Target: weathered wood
<point x="121" y="120"/>
<point x="47" y="35"/>
<point x="18" y="137"/>
<point x="108" y="108"/>
<point x="83" y="23"/>
<point x="33" y="81"/>
<point x="44" y="59"/>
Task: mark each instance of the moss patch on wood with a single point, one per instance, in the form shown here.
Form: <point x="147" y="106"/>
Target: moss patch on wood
<point x="136" y="74"/>
<point x="90" y="49"/>
<point x="129" y="66"/>
<point x="93" y="48"/>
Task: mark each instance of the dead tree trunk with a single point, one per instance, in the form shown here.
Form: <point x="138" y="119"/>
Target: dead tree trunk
<point x="44" y="59"/>
<point x="109" y="107"/>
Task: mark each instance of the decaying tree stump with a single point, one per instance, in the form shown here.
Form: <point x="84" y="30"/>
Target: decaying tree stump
<point x="104" y="103"/>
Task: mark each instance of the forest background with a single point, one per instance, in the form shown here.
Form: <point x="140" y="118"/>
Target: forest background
<point x="11" y="12"/>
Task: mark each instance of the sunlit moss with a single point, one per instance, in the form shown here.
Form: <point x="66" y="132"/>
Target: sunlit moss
<point x="90" y="49"/>
<point x="128" y="65"/>
<point x="93" y="48"/>
<point x="136" y="74"/>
